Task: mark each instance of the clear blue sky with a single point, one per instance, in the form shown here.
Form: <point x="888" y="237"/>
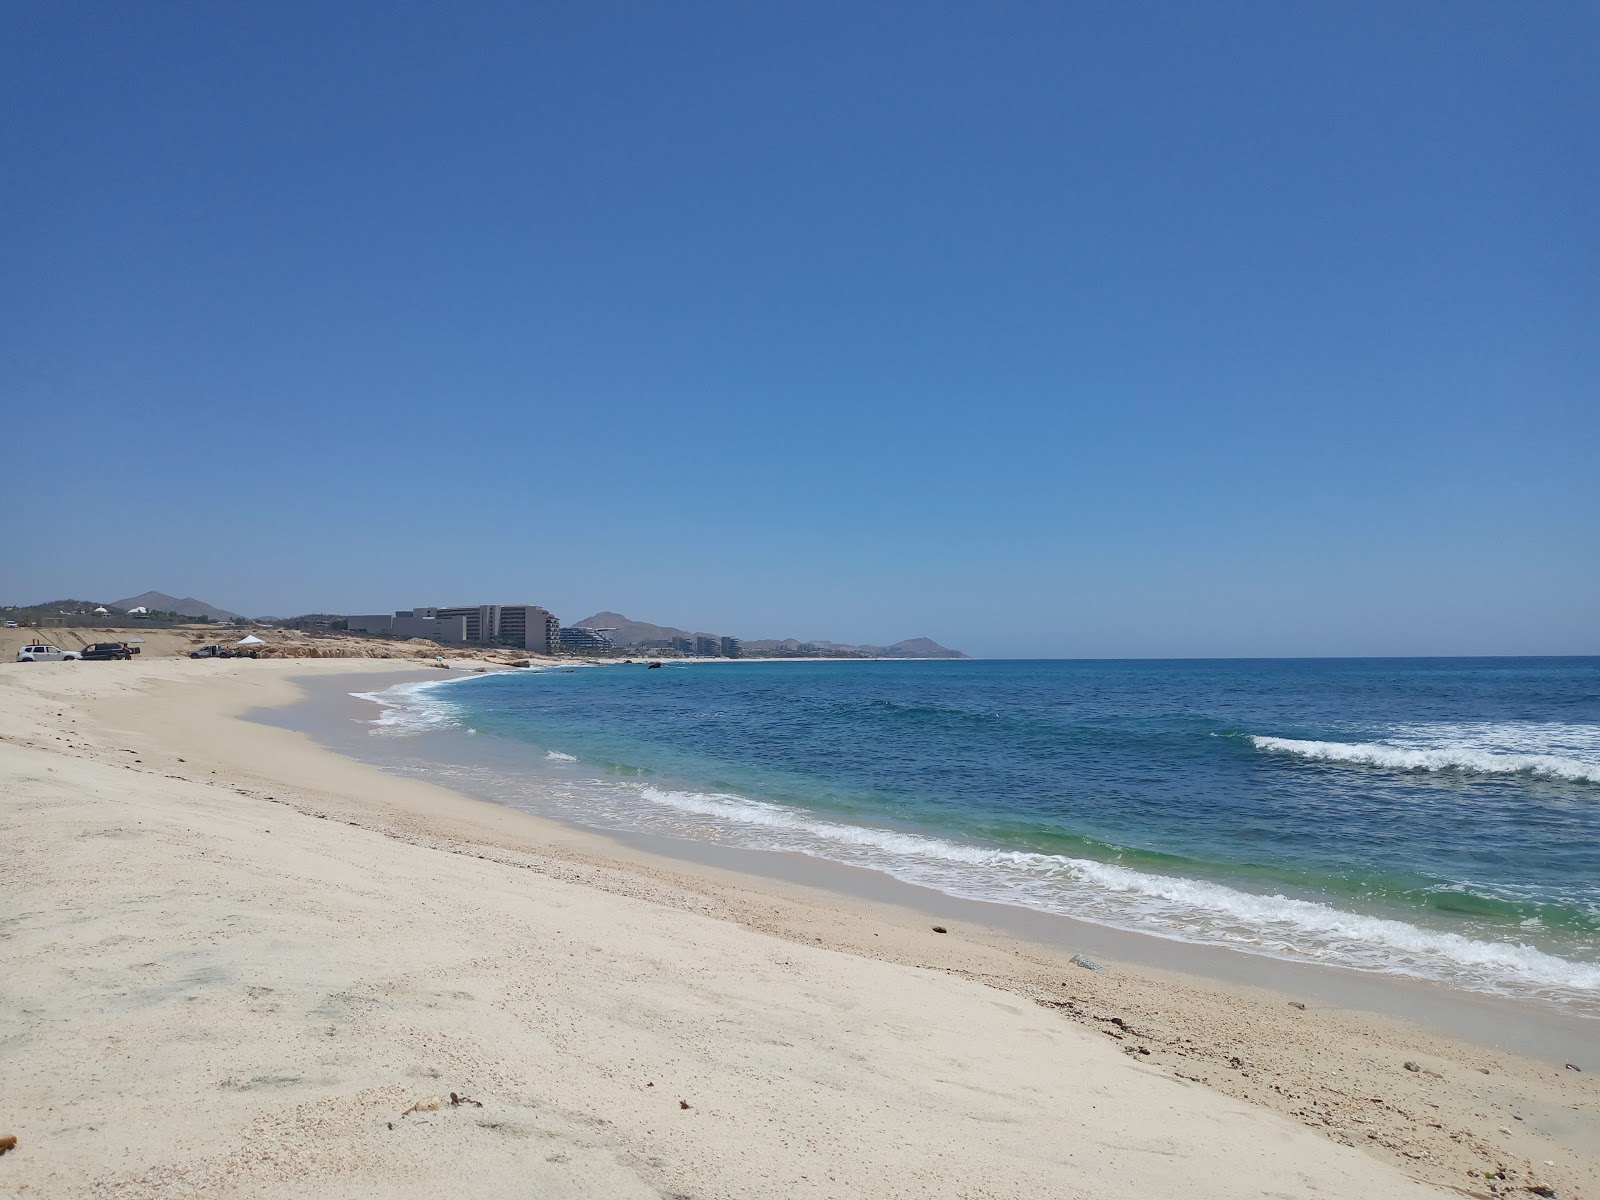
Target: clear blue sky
<point x="1097" y="329"/>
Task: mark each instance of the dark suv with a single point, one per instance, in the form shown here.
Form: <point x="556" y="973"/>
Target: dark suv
<point x="104" y="651"/>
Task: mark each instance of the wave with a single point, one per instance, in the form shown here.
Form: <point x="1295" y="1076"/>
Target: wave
<point x="1464" y="758"/>
<point x="413" y="708"/>
<point x="1178" y="908"/>
<point x="557" y="756"/>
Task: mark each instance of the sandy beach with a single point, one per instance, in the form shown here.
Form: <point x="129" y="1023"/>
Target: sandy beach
<point x="238" y="964"/>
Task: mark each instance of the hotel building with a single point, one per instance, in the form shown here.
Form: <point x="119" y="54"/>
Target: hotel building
<point x="525" y="626"/>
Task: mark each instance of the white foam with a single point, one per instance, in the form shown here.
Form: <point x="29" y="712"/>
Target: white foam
<point x="557" y="756"/>
<point x="1174" y="907"/>
<point x="1451" y="748"/>
<point x="412" y="708"/>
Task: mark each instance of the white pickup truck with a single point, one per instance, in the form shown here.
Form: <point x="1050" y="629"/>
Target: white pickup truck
<point x="44" y="652"/>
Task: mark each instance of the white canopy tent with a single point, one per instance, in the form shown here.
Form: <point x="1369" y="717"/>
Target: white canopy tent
<point x="250" y="640"/>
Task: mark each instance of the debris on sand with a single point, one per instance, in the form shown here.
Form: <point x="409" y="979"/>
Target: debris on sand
<point x="684" y="1103"/>
<point x="940" y="929"/>
<point x="458" y="1100"/>
<point x="431" y="1104"/>
<point x="1088" y="964"/>
<point x="7" y="1143"/>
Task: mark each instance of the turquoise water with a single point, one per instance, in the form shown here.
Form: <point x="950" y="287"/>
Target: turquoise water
<point x="1438" y="818"/>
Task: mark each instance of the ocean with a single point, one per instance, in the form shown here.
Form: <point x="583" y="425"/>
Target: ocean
<point x="1436" y="818"/>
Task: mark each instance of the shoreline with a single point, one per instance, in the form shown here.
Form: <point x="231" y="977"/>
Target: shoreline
<point x="1243" y="1042"/>
<point x="1500" y="1023"/>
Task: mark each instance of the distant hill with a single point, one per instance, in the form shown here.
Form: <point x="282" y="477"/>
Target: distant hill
<point x="910" y="648"/>
<point x="187" y="607"/>
<point x="51" y="608"/>
<point x="634" y="633"/>
<point x="920" y="648"/>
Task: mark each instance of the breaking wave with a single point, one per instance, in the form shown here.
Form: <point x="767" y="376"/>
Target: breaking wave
<point x="413" y="708"/>
<point x="1474" y="754"/>
<point x="557" y="756"/>
<point x="1182" y="909"/>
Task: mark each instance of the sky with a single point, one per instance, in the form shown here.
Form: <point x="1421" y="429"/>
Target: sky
<point x="1080" y="330"/>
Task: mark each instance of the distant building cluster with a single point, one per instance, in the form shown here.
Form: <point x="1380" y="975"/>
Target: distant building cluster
<point x="585" y="640"/>
<point x="527" y="627"/>
<point x="522" y="626"/>
<point x="540" y="632"/>
<point x="701" y="645"/>
<point x="791" y="648"/>
<point x="318" y="623"/>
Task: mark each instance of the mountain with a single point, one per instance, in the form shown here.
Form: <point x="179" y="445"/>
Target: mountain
<point x="187" y="607"/>
<point x="625" y="632"/>
<point x="920" y="648"/>
<point x="632" y="633"/>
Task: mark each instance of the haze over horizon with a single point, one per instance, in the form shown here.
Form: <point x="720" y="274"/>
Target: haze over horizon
<point x="1145" y="332"/>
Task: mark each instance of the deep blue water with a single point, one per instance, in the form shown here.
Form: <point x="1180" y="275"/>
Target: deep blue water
<point x="1435" y="817"/>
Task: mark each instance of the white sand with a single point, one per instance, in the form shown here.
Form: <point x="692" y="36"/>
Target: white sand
<point x="209" y="989"/>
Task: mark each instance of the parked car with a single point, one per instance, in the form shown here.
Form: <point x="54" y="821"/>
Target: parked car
<point x="221" y="652"/>
<point x="45" y="652"/>
<point x="106" y="651"/>
<point x="11" y="624"/>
